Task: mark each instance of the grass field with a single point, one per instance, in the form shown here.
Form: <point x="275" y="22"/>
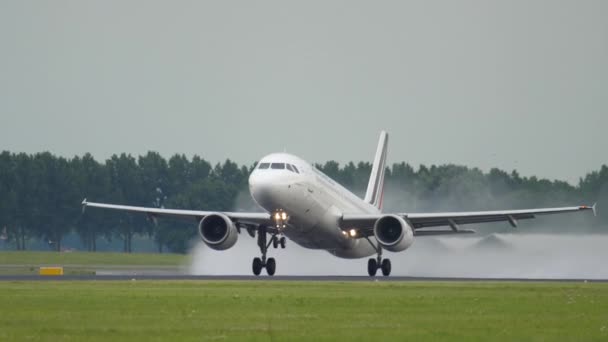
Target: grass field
<point x="327" y="311"/>
<point x="28" y="262"/>
<point x="88" y="258"/>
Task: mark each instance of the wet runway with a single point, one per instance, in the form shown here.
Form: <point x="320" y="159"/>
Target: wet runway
<point x="276" y="278"/>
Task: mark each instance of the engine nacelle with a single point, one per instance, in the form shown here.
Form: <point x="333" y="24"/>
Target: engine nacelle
<point x="393" y="233"/>
<point x="218" y="231"/>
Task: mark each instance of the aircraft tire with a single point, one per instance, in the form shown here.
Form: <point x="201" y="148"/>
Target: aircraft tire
<point x="386" y="267"/>
<point x="282" y="242"/>
<point x="271" y="266"/>
<point x="257" y="266"/>
<point x="372" y="267"/>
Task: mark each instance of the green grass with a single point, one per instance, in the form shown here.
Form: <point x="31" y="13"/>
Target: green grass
<point x="88" y="258"/>
<point x="319" y="311"/>
<point x="29" y="262"/>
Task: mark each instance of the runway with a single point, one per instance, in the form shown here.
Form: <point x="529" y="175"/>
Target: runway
<point x="277" y="278"/>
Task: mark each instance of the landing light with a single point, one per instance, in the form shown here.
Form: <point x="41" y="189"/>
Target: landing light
<point x="280" y="218"/>
<point x="352" y="232"/>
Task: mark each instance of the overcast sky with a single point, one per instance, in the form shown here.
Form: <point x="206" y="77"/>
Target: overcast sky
<point x="509" y="84"/>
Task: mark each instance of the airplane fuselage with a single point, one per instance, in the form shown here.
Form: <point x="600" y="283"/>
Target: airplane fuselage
<point x="314" y="204"/>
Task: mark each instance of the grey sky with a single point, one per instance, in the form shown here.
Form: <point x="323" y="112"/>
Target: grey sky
<point x="511" y="84"/>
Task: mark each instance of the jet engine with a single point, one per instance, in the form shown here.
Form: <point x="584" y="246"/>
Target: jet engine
<point x="393" y="233"/>
<point x="218" y="231"/>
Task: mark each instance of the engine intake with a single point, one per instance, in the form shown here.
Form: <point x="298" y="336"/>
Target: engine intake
<point x="393" y="233"/>
<point x="218" y="231"/>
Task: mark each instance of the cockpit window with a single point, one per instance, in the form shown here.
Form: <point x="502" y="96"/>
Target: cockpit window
<point x="278" y="166"/>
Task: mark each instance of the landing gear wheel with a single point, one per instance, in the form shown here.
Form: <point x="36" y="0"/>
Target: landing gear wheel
<point x="269" y="263"/>
<point x="257" y="266"/>
<point x="275" y="242"/>
<point x="373" y="264"/>
<point x="372" y="267"/>
<point x="282" y="242"/>
<point x="271" y="266"/>
<point x="386" y="267"/>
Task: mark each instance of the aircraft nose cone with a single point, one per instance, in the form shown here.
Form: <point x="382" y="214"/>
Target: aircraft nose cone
<point x="260" y="187"/>
<point x="269" y="189"/>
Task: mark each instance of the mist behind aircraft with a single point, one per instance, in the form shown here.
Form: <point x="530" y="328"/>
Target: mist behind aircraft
<point x="564" y="247"/>
<point x="503" y="255"/>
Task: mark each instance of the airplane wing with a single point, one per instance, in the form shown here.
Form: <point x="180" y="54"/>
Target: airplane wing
<point x="421" y="221"/>
<point x="193" y="215"/>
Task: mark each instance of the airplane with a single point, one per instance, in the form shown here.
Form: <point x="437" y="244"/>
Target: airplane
<point x="312" y="210"/>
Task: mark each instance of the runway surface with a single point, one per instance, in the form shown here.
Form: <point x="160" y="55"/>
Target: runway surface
<point x="275" y="278"/>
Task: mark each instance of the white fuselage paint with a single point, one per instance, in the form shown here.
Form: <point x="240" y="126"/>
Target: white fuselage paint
<point x="314" y="203"/>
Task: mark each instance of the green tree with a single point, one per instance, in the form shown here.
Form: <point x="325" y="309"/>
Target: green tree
<point x="126" y="187"/>
<point x="91" y="180"/>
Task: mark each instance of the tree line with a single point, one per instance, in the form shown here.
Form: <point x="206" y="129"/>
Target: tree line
<point x="40" y="194"/>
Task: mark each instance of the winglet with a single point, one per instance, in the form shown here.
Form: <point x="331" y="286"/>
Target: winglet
<point x="586" y="207"/>
<point x="84" y="204"/>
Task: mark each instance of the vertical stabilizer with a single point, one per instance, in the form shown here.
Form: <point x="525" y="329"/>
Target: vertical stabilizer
<point x="375" y="187"/>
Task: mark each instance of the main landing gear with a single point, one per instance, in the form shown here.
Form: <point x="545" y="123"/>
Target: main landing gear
<point x="269" y="263"/>
<point x="378" y="263"/>
<point x="374" y="264"/>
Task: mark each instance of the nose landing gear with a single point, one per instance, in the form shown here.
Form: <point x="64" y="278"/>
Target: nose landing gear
<point x="278" y="241"/>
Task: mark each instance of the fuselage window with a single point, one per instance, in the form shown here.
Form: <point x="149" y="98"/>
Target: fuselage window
<point x="277" y="166"/>
<point x="264" y="166"/>
<point x="289" y="167"/>
<point x="295" y="168"/>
